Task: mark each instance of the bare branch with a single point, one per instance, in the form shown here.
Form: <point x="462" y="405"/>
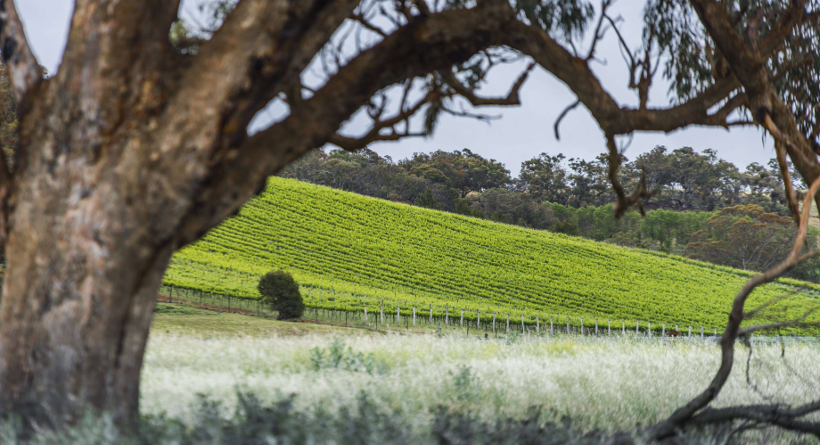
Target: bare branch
<point x="562" y="115"/>
<point x="687" y="413"/>
<point x="624" y="202"/>
<point x="753" y="313"/>
<point x="469" y="94"/>
<point x="25" y="72"/>
<point x="599" y="33"/>
<point x="799" y="322"/>
<point x="784" y="172"/>
<point x="375" y="134"/>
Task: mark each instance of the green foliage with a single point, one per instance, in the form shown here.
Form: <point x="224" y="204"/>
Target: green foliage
<point x="428" y="201"/>
<point x="746" y="237"/>
<point x="281" y="292"/>
<point x="368" y="421"/>
<point x="568" y="17"/>
<point x="337" y="357"/>
<point x="365" y="252"/>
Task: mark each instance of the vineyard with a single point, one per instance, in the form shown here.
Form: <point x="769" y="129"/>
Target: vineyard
<point x="350" y="252"/>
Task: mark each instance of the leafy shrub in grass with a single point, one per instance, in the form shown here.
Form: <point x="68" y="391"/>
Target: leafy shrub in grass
<point x="367" y="422"/>
<point x="281" y="292"/>
<point x="336" y="357"/>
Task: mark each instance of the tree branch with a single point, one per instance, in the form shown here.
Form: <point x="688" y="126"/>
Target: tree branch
<point x="375" y="134"/>
<point x="469" y="93"/>
<point x="561" y="117"/>
<point x="428" y="44"/>
<point x="686" y="413"/>
<point x="24" y="71"/>
<point x="614" y="119"/>
<point x="641" y="192"/>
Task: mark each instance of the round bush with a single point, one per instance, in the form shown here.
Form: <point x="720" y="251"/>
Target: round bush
<point x="281" y="292"/>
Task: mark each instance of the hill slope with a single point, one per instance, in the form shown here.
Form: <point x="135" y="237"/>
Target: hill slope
<point x="348" y="251"/>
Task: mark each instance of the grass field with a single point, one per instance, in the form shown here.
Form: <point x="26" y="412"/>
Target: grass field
<point x="611" y="384"/>
<point x="350" y="252"/>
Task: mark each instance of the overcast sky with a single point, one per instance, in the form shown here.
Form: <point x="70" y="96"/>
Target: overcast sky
<point x="522" y="132"/>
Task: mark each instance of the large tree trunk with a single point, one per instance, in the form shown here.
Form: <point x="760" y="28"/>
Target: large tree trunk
<point x="82" y="274"/>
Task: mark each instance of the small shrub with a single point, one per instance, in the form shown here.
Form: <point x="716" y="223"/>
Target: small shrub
<point x="336" y="357"/>
<point x="281" y="292"/>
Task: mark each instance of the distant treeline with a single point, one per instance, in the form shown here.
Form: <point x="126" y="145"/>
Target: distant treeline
<point x="704" y="207"/>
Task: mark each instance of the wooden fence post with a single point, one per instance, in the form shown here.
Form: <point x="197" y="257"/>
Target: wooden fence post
<point x="508" y="324"/>
<point x="478" y="320"/>
<point x="701" y="332"/>
<point x="462" y="318"/>
<point x="582" y="326"/>
<point x="690" y="331"/>
<point x="567" y="325"/>
<point x="494" y="324"/>
<point x="637" y="323"/>
<point x="663" y="330"/>
<point x="398" y="315"/>
<point x="414" y="316"/>
<point x="609" y="328"/>
<point x="365" y="315"/>
<point x="551" y="332"/>
<point x="522" y="325"/>
<point x="381" y="313"/>
<point x="446" y="315"/>
<point x="537" y="326"/>
<point x="623" y="327"/>
<point x="649" y="329"/>
<point x="596" y="327"/>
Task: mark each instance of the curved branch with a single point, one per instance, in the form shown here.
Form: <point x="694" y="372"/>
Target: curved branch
<point x="686" y="413"/>
<point x="562" y="115"/>
<point x="446" y="38"/>
<point x="624" y="202"/>
<point x="512" y="97"/>
<point x="375" y="135"/>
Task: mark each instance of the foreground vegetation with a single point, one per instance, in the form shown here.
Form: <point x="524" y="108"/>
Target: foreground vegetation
<point x="350" y="252"/>
<point x="255" y="382"/>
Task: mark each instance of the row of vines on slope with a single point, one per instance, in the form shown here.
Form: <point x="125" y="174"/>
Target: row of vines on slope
<point x="349" y="252"/>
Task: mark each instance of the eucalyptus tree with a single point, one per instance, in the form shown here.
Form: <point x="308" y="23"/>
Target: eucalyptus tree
<point x="137" y="147"/>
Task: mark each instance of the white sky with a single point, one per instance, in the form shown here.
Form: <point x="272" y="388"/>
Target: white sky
<point x="522" y="133"/>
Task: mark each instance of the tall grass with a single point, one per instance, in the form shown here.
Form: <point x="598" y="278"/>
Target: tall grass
<point x="609" y="384"/>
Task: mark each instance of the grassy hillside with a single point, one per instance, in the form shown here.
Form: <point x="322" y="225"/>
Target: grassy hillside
<point x="349" y="251"/>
